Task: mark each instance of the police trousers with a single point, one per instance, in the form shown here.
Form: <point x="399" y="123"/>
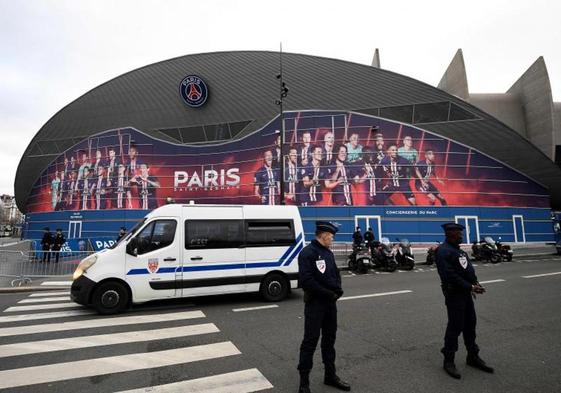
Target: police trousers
<point x="319" y="318"/>
<point x="461" y="319"/>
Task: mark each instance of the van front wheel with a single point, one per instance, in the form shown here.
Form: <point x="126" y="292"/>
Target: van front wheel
<point x="110" y="298"/>
<point x="274" y="287"/>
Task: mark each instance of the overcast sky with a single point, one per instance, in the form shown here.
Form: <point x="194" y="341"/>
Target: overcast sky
<point x="51" y="52"/>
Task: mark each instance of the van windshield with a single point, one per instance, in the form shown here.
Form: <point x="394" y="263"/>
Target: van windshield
<point x="129" y="233"/>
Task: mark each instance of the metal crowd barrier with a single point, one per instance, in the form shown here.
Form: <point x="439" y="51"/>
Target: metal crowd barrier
<point x="21" y="267"/>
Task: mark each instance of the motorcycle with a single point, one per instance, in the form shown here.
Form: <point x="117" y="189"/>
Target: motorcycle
<point x="505" y="250"/>
<point x="360" y="260"/>
<point x="404" y="256"/>
<point x="383" y="255"/>
<point x="486" y="250"/>
<point x="431" y="254"/>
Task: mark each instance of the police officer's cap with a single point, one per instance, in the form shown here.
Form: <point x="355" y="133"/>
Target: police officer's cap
<point x="452" y="226"/>
<point x="326" y="226"/>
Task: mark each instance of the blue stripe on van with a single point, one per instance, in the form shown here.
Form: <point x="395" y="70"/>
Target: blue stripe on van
<point x="285" y="260"/>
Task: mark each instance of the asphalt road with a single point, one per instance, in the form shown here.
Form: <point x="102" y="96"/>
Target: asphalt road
<point x="387" y="343"/>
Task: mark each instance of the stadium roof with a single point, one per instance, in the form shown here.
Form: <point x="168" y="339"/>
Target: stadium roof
<point x="242" y="92"/>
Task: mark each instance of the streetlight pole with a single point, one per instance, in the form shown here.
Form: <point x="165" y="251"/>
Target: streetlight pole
<point x="283" y="92"/>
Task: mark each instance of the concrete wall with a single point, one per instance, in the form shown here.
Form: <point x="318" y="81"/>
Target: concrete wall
<point x="505" y="107"/>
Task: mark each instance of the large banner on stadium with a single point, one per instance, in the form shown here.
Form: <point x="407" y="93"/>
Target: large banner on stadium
<point x="330" y="158"/>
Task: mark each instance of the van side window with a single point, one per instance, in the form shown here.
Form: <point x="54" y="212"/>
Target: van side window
<point x="267" y="233"/>
<point x="203" y="234"/>
<point x="158" y="234"/>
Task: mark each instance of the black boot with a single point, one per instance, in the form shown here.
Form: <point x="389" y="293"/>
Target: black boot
<point x="336" y="382"/>
<point x="475" y="361"/>
<point x="304" y="382"/>
<point x="450" y="367"/>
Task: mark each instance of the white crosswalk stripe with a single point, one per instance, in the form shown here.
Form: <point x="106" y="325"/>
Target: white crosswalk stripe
<point x="57" y="314"/>
<point x="38" y="307"/>
<point x="99" y="322"/>
<point x="140" y="329"/>
<point x="245" y="381"/>
<point x="45" y="299"/>
<point x="57" y="283"/>
<point x="50" y="293"/>
<point x="104" y="339"/>
<point x="114" y="364"/>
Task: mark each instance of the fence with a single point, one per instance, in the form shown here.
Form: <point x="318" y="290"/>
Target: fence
<point x="21" y="267"/>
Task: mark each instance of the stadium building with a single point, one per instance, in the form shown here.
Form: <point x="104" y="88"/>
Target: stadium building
<point x="362" y="145"/>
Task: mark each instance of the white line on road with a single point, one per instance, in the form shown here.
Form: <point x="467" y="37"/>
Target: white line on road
<point x="35" y="307"/>
<point x="100" y="322"/>
<point x="542" y="275"/>
<point x="57" y="283"/>
<point x="64" y="344"/>
<point x="492" y="281"/>
<point x="375" y="295"/>
<point x="45" y="299"/>
<point x="254" y="308"/>
<point x="49" y="293"/>
<point x="245" y="381"/>
<point x="114" y="364"/>
<point x="47" y="315"/>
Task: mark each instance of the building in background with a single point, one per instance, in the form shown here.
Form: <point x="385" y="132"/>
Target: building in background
<point x="363" y="146"/>
<point x="11" y="218"/>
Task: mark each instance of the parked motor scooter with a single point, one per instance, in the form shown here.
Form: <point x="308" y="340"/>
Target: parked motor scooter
<point x="383" y="255"/>
<point x="431" y="254"/>
<point x="360" y="260"/>
<point x="486" y="250"/>
<point x="404" y="256"/>
<point x="505" y="250"/>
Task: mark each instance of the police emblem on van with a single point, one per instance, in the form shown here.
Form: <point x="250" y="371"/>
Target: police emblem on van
<point x="321" y="265"/>
<point x="153" y="265"/>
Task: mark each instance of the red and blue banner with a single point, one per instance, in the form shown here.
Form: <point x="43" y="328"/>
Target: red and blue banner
<point x="330" y="159"/>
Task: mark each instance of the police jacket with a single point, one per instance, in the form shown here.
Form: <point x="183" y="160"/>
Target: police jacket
<point x="47" y="239"/>
<point x="357" y="237"/>
<point x="456" y="272"/>
<point x="368" y="236"/>
<point x="59" y="241"/>
<point x="319" y="275"/>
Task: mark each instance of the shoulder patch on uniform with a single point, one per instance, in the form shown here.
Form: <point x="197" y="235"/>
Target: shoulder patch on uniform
<point x="320" y="264"/>
<point x="463" y="262"/>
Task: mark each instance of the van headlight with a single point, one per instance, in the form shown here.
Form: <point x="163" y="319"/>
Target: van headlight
<point x="84" y="265"/>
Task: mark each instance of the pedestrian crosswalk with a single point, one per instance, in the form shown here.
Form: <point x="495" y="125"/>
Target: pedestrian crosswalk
<point x="41" y="334"/>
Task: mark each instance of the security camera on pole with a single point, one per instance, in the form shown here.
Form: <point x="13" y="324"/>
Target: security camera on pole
<point x="283" y="92"/>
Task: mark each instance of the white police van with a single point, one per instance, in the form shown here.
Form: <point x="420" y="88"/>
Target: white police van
<point x="195" y="250"/>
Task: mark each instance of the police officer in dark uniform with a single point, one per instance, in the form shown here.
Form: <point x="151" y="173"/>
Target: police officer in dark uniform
<point x="357" y="237"/>
<point x="460" y="287"/>
<point x="321" y="281"/>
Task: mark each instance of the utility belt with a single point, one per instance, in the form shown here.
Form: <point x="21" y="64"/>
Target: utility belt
<point x="450" y="289"/>
<point x="310" y="298"/>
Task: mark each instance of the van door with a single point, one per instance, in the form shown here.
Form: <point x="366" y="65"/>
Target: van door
<point x="152" y="259"/>
<point x="214" y="253"/>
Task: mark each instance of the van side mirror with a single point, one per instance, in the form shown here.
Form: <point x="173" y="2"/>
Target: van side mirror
<point x="132" y="247"/>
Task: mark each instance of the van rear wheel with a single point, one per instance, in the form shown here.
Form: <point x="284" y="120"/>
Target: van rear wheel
<point x="274" y="287"/>
<point x="110" y="298"/>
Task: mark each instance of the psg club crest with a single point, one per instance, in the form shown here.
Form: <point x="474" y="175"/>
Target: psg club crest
<point x="321" y="265"/>
<point x="193" y="91"/>
<point x="153" y="265"/>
